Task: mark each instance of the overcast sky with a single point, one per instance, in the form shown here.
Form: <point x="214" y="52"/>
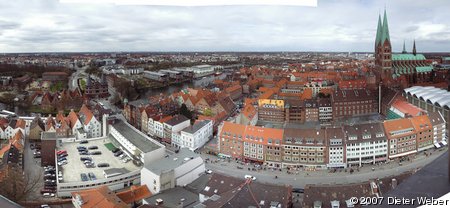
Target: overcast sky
<point x="335" y="25"/>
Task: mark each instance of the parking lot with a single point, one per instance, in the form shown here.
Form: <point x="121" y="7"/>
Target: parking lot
<point x="75" y="166"/>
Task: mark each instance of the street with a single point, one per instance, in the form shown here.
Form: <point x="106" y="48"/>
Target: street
<point x="322" y="177"/>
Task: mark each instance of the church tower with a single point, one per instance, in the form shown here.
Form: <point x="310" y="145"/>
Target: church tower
<point x="383" y="49"/>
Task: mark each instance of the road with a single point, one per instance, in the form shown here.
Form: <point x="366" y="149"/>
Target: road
<point x="323" y="177"/>
<point x="79" y="73"/>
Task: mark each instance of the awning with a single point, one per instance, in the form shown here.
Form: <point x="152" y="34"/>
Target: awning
<point x="437" y="145"/>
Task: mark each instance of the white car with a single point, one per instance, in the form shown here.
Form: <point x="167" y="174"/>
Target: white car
<point x="208" y="171"/>
<point x="62" y="163"/>
<point x="48" y="195"/>
<point x="249" y="176"/>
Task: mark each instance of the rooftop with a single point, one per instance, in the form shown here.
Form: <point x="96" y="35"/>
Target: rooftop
<point x="99" y="197"/>
<point x="138" y="139"/>
<point x="174" y="196"/>
<point x="172" y="161"/>
<point x="197" y="125"/>
<point x="73" y="169"/>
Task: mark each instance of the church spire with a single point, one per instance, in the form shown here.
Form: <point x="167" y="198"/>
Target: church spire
<point x="378" y="37"/>
<point x="414" y="47"/>
<point x="404" y="48"/>
<point x="385" y="29"/>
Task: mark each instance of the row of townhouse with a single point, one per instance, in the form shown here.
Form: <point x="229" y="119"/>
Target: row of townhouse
<point x="9" y="127"/>
<point x="297" y="108"/>
<point x="11" y="154"/>
<point x="344" y="146"/>
<point x="82" y="125"/>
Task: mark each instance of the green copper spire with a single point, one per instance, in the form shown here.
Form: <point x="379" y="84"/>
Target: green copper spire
<point x="378" y="37"/>
<point x="385" y="29"/>
<point x="404" y="48"/>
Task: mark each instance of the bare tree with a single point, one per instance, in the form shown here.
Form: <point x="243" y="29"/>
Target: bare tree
<point x="18" y="186"/>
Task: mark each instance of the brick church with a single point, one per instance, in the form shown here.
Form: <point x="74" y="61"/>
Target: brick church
<point x="403" y="68"/>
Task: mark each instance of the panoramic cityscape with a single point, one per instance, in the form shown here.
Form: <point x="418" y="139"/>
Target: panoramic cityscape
<point x="281" y="105"/>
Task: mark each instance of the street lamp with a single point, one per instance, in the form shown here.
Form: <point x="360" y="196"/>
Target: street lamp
<point x="14" y="104"/>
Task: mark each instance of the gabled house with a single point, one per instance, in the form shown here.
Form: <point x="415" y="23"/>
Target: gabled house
<point x="75" y="123"/>
<point x="91" y="125"/>
<point x="36" y="128"/>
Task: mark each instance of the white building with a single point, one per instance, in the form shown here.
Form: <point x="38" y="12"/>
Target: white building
<point x="365" y="144"/>
<point x="175" y="124"/>
<point x="179" y="169"/>
<point x="134" y="143"/>
<point x="91" y="125"/>
<point x="195" y="136"/>
<point x="336" y="148"/>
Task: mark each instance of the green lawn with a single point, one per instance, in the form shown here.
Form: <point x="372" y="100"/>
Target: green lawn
<point x="110" y="146"/>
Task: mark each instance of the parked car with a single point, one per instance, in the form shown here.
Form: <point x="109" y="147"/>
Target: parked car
<point x="103" y="165"/>
<point x="80" y="148"/>
<point x="92" y="176"/>
<point x="49" y="184"/>
<point x="95" y="153"/>
<point x="59" y="152"/>
<point x="93" y="147"/>
<point x="125" y="160"/>
<point x="90" y="165"/>
<point x="47" y="191"/>
<point x="298" y="190"/>
<point x="46" y="195"/>
<point x="85" y="158"/>
<point x="62" y="159"/>
<point x="115" y="150"/>
<point x="37" y="156"/>
<point x="49" y="177"/>
<point x="50" y="187"/>
<point x="84" y="177"/>
<point x="84" y="142"/>
<point x="118" y="153"/>
<point x="84" y="153"/>
<point x="48" y="180"/>
<point x="62" y="163"/>
<point x="208" y="171"/>
<point x="249" y="176"/>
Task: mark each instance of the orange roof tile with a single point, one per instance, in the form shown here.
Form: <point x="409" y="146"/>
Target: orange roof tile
<point x="134" y="194"/>
<point x="307" y="94"/>
<point x="397" y="124"/>
<point x="99" y="197"/>
<point x="86" y="113"/>
<point x="249" y="111"/>
<point x="267" y="95"/>
<point x="73" y="118"/>
<point x="20" y="123"/>
<point x="421" y="123"/>
<point x="406" y="107"/>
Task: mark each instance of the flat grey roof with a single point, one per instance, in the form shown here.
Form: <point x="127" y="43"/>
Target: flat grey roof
<point x="116" y="170"/>
<point x="174" y="196"/>
<point x="48" y="135"/>
<point x="170" y="163"/>
<point x="136" y="138"/>
<point x="198" y="125"/>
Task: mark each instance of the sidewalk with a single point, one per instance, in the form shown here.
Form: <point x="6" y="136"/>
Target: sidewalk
<point x="367" y="171"/>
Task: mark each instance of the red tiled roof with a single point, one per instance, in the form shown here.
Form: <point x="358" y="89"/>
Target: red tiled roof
<point x="134" y="194"/>
<point x="99" y="198"/>
<point x="20" y="123"/>
<point x="87" y="114"/>
<point x="406" y="107"/>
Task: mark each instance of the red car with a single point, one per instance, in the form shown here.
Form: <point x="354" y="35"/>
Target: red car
<point x="61" y="152"/>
